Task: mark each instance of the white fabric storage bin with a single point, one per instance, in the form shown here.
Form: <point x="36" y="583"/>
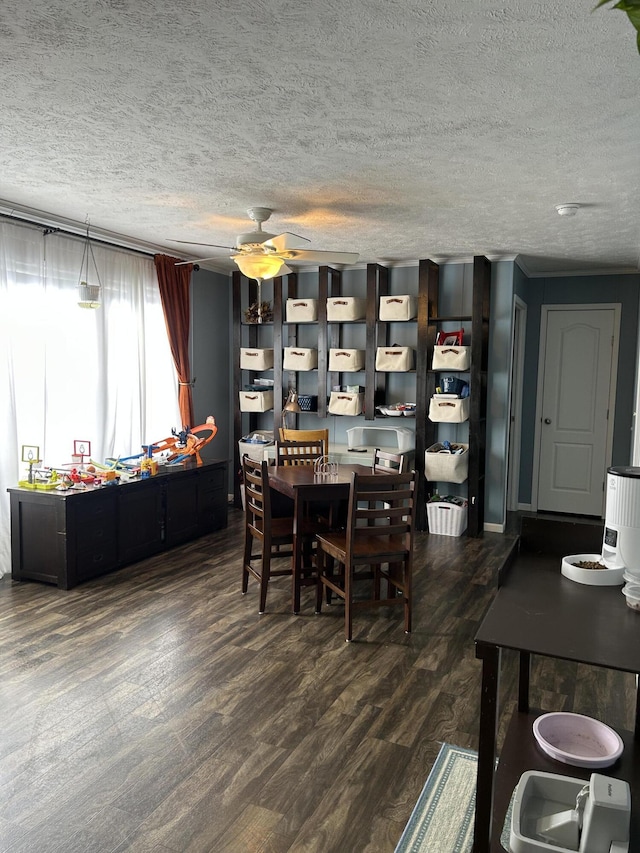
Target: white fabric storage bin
<point x="302" y="310"/>
<point x="255" y="449"/>
<point x="446" y="519"/>
<point x="256" y="401"/>
<point x="398" y="308"/>
<point x="442" y="467"/>
<point x="451" y="358"/>
<point x="394" y="358"/>
<point x="448" y="410"/>
<point x="345" y="403"/>
<point x="346" y="360"/>
<point x="340" y="308"/>
<point x="300" y="358"/>
<point x="256" y="359"/>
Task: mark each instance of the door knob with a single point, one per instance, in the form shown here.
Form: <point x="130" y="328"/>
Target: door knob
<point x="547" y="420"/>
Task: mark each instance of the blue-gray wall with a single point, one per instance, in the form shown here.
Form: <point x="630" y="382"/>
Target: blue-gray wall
<point x="211" y="347"/>
<point x="212" y="356"/>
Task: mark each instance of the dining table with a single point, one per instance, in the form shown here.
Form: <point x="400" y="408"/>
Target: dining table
<point x="304" y="485"/>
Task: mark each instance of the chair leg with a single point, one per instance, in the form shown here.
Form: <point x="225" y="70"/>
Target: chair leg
<point x="320" y="562"/>
<point x="348" y="613"/>
<point x="265" y="573"/>
<point x="246" y="560"/>
<point x="328" y="570"/>
<point x="407" y="601"/>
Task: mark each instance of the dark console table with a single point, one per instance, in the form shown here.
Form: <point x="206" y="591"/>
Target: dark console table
<point x="67" y="537"/>
<point x="537" y="611"/>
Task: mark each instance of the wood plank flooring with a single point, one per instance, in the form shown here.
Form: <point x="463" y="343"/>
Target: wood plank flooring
<point x="154" y="711"/>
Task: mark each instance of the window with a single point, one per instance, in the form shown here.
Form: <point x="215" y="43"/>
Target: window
<point x="66" y="373"/>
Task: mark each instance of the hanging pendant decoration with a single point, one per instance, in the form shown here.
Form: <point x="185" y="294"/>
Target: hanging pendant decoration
<point x="88" y="294"/>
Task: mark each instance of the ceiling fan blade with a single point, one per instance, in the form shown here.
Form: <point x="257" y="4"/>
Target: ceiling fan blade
<point x="212" y="245"/>
<point x="287" y="240"/>
<point x="320" y="257"/>
<point x="197" y="261"/>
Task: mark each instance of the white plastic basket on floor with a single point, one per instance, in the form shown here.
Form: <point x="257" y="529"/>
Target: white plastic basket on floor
<point x="446" y="519"/>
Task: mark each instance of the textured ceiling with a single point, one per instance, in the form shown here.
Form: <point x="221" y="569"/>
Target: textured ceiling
<point x="398" y="129"/>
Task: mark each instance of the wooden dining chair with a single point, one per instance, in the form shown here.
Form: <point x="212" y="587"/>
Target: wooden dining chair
<point x="377" y="545"/>
<point x="329" y="514"/>
<point x="306" y="435"/>
<point x="385" y="462"/>
<point x="299" y="452"/>
<point x="272" y="534"/>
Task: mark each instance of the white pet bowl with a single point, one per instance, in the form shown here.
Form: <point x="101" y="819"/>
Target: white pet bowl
<point x="578" y="740"/>
<point x="593" y="577"/>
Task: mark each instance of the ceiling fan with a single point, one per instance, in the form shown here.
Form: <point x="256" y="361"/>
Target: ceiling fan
<point x="260" y="255"/>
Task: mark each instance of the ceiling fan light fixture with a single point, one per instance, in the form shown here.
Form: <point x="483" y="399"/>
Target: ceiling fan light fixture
<point x="569" y="209"/>
<point x="260" y="266"/>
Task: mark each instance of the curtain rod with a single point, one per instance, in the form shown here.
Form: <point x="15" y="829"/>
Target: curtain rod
<point x="49" y="225"/>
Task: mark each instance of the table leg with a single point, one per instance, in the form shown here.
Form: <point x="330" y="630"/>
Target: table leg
<point x="490" y="656"/>
<point x="524" y="676"/>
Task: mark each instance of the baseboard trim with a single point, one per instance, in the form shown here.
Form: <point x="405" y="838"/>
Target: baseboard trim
<point x="494" y="528"/>
<point x="525" y="507"/>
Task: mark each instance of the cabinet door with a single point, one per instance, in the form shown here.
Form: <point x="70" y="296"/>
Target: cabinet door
<point x="38" y="538"/>
<point x="140" y="520"/>
<point x="181" y="508"/>
<point x="212" y="499"/>
<point x="92" y="534"/>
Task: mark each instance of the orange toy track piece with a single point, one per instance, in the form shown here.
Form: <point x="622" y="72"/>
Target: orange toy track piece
<point x="194" y="443"/>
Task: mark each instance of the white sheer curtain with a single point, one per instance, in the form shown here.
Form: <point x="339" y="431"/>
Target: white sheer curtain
<point x="104" y="376"/>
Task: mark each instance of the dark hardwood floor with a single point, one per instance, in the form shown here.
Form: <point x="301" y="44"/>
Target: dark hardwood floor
<point x="153" y="710"/>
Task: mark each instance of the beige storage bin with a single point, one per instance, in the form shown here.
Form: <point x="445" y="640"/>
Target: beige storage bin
<point x="302" y="310"/>
<point x="256" y="401"/>
<point x="448" y="410"/>
<point x="256" y="359"/>
<point x="256" y="446"/>
<point x="398" y="308"/>
<point x="341" y="308"/>
<point x="446" y="519"/>
<point x="346" y="360"/>
<point x="300" y="358"/>
<point x="394" y="359"/>
<point x="345" y="403"/>
<point x="443" y="467"/>
<point x="451" y="358"/>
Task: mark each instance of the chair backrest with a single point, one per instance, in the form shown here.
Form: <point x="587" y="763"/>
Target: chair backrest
<point x="306" y="435"/>
<point x="298" y="452"/>
<point x="385" y="461"/>
<point x="382" y="505"/>
<point x="257" y="494"/>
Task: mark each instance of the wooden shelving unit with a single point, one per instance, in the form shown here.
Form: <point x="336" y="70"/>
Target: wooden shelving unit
<point x="478" y="321"/>
<point x="281" y="334"/>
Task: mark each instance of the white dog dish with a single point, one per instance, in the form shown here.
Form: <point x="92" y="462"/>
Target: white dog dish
<point x="578" y="740"/>
<point x="593" y="577"/>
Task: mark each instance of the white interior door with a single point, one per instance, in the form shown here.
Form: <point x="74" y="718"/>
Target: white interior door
<point x="575" y="428"/>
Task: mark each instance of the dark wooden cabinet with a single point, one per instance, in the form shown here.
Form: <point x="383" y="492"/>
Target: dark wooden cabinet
<point x="66" y="538"/>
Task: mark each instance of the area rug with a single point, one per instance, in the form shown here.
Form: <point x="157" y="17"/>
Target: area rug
<point x="442" y="819"/>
